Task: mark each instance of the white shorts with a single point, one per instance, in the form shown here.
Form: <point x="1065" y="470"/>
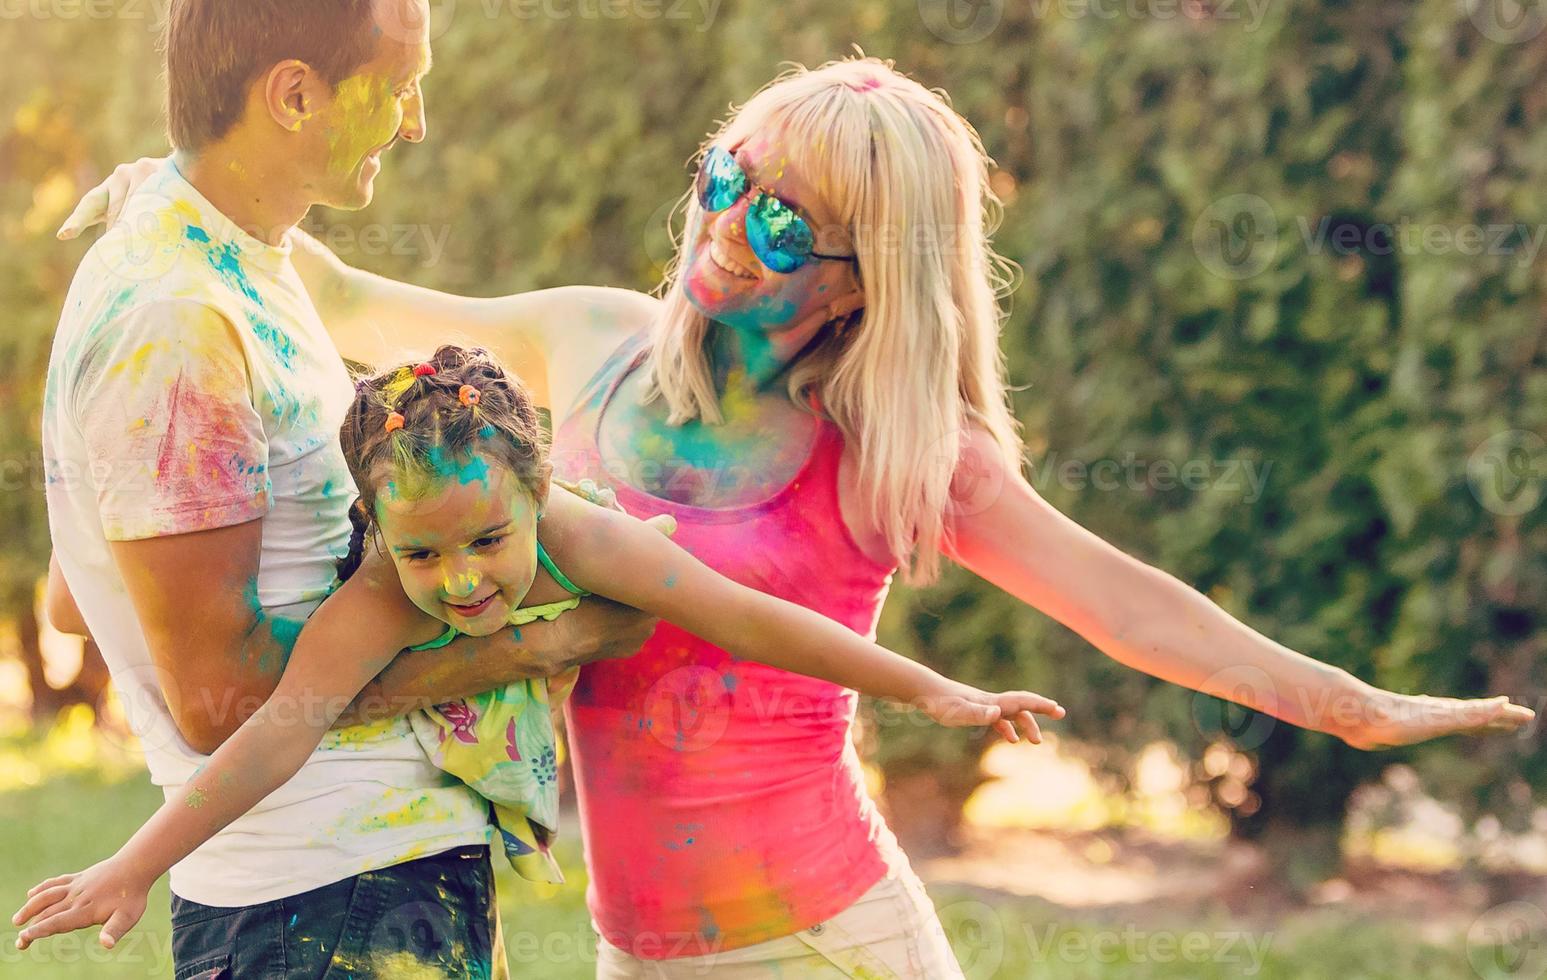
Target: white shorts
<point x="891" y="932"/>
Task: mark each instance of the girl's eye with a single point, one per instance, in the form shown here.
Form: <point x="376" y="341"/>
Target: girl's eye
<point x="488" y="542"/>
<point x="419" y="556"/>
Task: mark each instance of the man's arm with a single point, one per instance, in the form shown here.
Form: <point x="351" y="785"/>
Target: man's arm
<point x="59" y="605"/>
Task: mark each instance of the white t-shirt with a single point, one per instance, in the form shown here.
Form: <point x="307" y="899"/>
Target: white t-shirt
<point x="192" y="386"/>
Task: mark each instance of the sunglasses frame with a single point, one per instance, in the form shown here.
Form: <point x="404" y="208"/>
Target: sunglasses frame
<point x="764" y="194"/>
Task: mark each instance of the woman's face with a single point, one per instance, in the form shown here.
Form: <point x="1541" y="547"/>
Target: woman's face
<point x="464" y="540"/>
<point x="727" y="282"/>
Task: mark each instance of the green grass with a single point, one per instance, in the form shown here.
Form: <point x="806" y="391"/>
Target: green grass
<point x="68" y="822"/>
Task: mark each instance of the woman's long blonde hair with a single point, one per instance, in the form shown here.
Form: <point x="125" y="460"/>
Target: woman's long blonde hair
<point x="908" y="177"/>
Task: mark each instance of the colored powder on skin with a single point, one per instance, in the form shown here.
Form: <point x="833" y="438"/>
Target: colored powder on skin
<point x="472" y="469"/>
<point x="196" y="799"/>
<point x="671" y="581"/>
<point x="360" y="103"/>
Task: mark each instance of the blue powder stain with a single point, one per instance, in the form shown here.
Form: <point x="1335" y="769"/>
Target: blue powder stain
<point x="671" y="581"/>
<point x="518" y="633"/>
<point x="473" y="469"/>
<point x="292" y="920"/>
<point x="707" y="925"/>
<point x="225" y="260"/>
<point x="729" y="680"/>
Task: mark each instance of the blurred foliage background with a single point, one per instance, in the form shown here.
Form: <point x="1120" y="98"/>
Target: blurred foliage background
<point x="1247" y="234"/>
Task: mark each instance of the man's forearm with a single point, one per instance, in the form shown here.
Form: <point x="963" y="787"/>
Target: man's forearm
<point x="470" y="665"/>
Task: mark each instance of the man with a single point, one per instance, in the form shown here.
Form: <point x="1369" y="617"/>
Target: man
<point x="197" y="500"/>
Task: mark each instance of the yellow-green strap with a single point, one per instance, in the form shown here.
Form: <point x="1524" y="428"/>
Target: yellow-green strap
<point x="558" y="576"/>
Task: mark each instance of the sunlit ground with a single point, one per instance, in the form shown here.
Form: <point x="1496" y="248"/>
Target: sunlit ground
<point x="1057" y="879"/>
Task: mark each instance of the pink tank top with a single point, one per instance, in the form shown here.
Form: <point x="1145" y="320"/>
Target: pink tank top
<point x="722" y="801"/>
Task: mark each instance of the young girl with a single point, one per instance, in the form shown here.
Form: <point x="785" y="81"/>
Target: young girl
<point x="451" y="463"/>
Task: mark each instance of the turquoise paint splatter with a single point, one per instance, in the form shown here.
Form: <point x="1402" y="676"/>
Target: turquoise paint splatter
<point x="471" y="469"/>
<point x="225" y="259"/>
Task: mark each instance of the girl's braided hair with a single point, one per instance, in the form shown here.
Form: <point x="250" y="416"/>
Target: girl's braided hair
<point x="412" y="419"/>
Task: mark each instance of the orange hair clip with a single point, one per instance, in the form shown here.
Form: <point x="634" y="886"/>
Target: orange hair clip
<point x="424" y="370"/>
<point x="395" y="422"/>
<point x="468" y="396"/>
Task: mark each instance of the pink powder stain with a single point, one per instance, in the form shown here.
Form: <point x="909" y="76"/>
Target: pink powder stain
<point x="202" y="447"/>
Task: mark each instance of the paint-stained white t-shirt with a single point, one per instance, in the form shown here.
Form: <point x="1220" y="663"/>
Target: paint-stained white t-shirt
<point x="192" y="386"/>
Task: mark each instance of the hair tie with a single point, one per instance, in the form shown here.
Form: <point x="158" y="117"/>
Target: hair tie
<point x="424" y="370"/>
<point x="395" y="421"/>
<point x="468" y="396"/>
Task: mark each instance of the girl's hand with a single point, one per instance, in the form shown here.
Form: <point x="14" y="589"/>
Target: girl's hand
<point x="1388" y="720"/>
<point x="963" y="706"/>
<point x="102" y="203"/>
<point x="106" y="893"/>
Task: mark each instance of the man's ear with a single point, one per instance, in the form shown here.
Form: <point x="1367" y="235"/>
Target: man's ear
<point x="291" y="94"/>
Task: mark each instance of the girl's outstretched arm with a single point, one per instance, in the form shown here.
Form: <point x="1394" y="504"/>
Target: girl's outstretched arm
<point x="1151" y="621"/>
<point x="368" y="612"/>
<point x="624" y="559"/>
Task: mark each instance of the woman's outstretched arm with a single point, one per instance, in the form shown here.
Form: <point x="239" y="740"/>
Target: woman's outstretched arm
<point x="1151" y="621"/>
<point x="554" y="339"/>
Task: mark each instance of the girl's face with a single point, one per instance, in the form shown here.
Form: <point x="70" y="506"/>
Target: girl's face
<point x="724" y="278"/>
<point x="464" y="539"/>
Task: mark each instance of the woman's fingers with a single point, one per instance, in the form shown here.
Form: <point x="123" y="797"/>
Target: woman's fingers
<point x="1006" y="730"/>
<point x="92" y="210"/>
<point x="39" y="903"/>
<point x="1028" y="726"/>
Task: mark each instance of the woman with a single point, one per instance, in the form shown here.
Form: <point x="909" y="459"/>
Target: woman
<point x="818" y="400"/>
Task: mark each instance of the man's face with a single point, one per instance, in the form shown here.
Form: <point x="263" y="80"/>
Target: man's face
<point x="371" y="110"/>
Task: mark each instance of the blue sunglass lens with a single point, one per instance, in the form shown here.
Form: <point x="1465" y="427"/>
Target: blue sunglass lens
<point x="778" y="236"/>
<point x="721" y="181"/>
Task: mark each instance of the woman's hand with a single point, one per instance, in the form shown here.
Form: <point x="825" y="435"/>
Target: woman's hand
<point x="102" y="203"/>
<point x="1387" y="720"/>
<point x="107" y="893"/>
<point x="963" y="706"/>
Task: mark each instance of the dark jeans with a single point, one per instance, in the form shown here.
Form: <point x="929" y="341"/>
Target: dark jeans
<point x="432" y="916"/>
